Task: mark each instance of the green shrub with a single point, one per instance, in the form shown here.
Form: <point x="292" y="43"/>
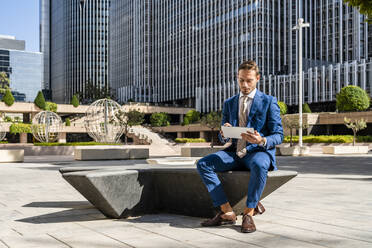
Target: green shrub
<point x="8" y="98"/>
<point x="20" y="128"/>
<point x="191" y="116"/>
<point x="352" y="98"/>
<point x="189" y="140"/>
<point x="17" y="119"/>
<point x="40" y="100"/>
<point x="51" y="106"/>
<point x="366" y="139"/>
<point x="322" y="139"/>
<point x="8" y="119"/>
<point x="75" y="101"/>
<point x="68" y="122"/>
<point x="283" y="108"/>
<point x="159" y="119"/>
<point x="306" y="108"/>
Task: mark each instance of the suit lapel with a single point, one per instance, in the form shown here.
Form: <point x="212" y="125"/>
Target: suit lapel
<point x="256" y="104"/>
<point x="235" y="113"/>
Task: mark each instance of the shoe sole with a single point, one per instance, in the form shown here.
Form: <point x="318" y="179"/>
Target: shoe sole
<point x="247" y="231"/>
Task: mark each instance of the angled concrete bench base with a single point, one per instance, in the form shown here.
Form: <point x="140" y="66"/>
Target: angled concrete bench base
<point x="110" y="153"/>
<point x="119" y="193"/>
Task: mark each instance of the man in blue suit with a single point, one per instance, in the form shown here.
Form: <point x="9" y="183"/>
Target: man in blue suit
<point x="255" y="151"/>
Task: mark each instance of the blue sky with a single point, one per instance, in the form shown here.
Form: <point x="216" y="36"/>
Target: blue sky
<point x="20" y="18"/>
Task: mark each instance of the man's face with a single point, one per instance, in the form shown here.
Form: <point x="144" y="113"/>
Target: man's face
<point x="247" y="80"/>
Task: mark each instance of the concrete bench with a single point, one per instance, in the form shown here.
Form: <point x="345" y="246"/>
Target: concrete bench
<point x="143" y="189"/>
<point x="110" y="153"/>
<point x="199" y="151"/>
<point x="12" y="155"/>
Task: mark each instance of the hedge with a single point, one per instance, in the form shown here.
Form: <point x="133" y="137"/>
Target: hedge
<point x="329" y="139"/>
<point x="189" y="140"/>
<point x="20" y="128"/>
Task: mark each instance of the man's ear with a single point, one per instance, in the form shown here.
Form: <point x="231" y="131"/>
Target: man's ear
<point x="258" y="77"/>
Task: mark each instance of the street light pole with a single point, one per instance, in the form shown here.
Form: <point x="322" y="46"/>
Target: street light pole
<point x="299" y="27"/>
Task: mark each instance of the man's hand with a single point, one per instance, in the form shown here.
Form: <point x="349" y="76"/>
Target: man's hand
<point x="225" y="125"/>
<point x="253" y="138"/>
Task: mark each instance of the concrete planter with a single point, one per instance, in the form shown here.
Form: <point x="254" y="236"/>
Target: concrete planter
<point x="345" y="149"/>
<point x="293" y="151"/>
<point x="15" y="155"/>
<point x="110" y="153"/>
<point x="201" y="151"/>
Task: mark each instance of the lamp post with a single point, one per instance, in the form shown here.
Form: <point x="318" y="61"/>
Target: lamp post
<point x="299" y="27"/>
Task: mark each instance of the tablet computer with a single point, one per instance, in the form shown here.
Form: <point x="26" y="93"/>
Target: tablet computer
<point x="235" y="132"/>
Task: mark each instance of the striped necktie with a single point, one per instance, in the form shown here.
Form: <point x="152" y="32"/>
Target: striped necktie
<point x="241" y="151"/>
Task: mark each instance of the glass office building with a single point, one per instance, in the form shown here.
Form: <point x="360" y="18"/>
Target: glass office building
<point x="75" y="40"/>
<point x="24" y="70"/>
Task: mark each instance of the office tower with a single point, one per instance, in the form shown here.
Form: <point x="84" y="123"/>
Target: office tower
<point x="75" y="40"/>
<point x="192" y="49"/>
<point x="130" y="50"/>
<point x="23" y="68"/>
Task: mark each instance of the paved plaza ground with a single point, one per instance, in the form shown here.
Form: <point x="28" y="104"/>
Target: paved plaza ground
<point x="328" y="204"/>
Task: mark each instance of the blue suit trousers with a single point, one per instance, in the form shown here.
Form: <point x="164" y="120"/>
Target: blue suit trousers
<point x="258" y="163"/>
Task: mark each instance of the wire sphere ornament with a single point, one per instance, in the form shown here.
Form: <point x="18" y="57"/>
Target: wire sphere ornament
<point x="2" y="132"/>
<point x="102" y="122"/>
<point x="45" y="126"/>
<point x="3" y="127"/>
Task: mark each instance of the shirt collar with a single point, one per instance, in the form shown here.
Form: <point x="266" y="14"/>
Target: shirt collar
<point x="250" y="95"/>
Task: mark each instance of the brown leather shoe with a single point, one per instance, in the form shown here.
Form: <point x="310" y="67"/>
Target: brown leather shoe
<point x="248" y="225"/>
<point x="259" y="209"/>
<point x="218" y="221"/>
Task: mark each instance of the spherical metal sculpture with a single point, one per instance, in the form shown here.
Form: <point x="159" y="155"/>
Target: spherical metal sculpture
<point x="102" y="122"/>
<point x="45" y="126"/>
<point x="3" y="127"/>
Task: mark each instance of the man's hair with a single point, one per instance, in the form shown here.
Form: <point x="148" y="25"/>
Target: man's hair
<point x="249" y="65"/>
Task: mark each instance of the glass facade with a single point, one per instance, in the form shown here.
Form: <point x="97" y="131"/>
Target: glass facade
<point x="78" y="45"/>
<point x="26" y="73"/>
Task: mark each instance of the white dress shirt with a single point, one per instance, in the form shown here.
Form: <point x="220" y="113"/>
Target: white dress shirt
<point x="248" y="105"/>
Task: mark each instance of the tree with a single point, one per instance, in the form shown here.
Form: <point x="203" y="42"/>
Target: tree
<point x="129" y="119"/>
<point x="292" y="122"/>
<point x="8" y="98"/>
<point x="306" y="108"/>
<point x="355" y="126"/>
<point x="191" y="116"/>
<point x="364" y="7"/>
<point x="159" y="119"/>
<point x="40" y="100"/>
<point x="4" y="80"/>
<point x="93" y="92"/>
<point x="213" y="121"/>
<point x="283" y="108"/>
<point x="352" y="98"/>
<point x="75" y="101"/>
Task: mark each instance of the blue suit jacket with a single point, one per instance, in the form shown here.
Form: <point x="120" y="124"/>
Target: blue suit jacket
<point x="264" y="116"/>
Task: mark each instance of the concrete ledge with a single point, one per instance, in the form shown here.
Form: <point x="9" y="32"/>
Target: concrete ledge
<point x="200" y="151"/>
<point x="110" y="153"/>
<point x="293" y="151"/>
<point x="119" y="193"/>
<point x="11" y="155"/>
<point x="345" y="149"/>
